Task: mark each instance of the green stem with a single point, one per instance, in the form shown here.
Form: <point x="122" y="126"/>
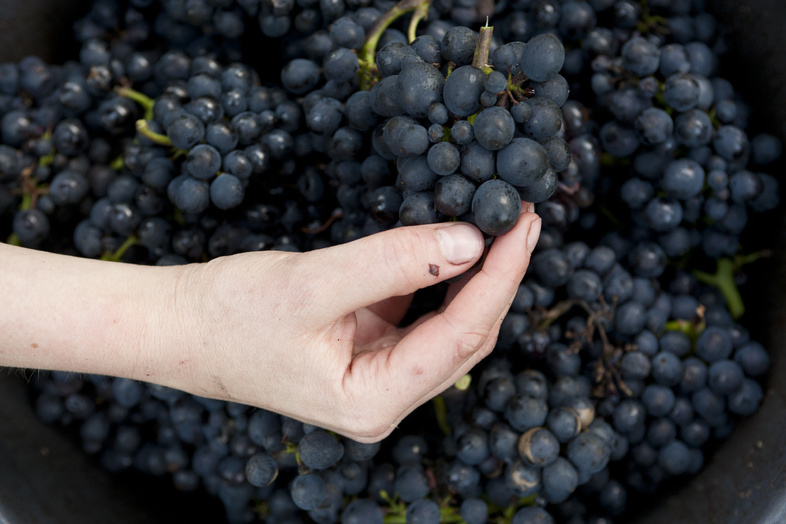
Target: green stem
<point x="449" y="515"/>
<point x="145" y="101"/>
<point x="481" y="57"/>
<point x="464" y="382"/>
<point x="13" y="240"/>
<point x="441" y="414"/>
<point x="118" y="163"/>
<point x="421" y="13"/>
<point x="117" y="255"/>
<point x="143" y="129"/>
<point x="27" y="201"/>
<point x="48" y="158"/>
<point x="723" y="279"/>
<point x="369" y="75"/>
<point x="691" y="329"/>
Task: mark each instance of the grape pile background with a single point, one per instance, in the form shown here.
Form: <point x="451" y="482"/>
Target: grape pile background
<point x="613" y="331"/>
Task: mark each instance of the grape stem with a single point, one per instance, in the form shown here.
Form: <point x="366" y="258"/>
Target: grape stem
<point x="143" y="129"/>
<point x="692" y="328"/>
<point x="723" y="279"/>
<point x="421" y="13"/>
<point x="117" y="255"/>
<point x="145" y="101"/>
<point x="118" y="163"/>
<point x="441" y="414"/>
<point x="369" y="74"/>
<point x="481" y="57"/>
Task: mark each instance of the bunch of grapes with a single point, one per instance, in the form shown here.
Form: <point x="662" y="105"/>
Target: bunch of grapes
<point x="624" y="356"/>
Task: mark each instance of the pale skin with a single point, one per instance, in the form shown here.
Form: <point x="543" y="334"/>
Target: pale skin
<point x="312" y="335"/>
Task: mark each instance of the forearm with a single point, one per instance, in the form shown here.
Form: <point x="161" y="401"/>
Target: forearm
<point x="82" y="315"/>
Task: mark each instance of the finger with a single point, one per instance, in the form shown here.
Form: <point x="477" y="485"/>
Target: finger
<point x="397" y="262"/>
<point x="449" y="343"/>
<point x="392" y="309"/>
<point x="373" y="332"/>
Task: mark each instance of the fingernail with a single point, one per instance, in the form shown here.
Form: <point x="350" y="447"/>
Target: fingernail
<point x="530" y="208"/>
<point x="533" y="235"/>
<point x="460" y="243"/>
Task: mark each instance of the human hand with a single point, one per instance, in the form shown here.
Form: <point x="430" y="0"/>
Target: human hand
<point x="314" y="335"/>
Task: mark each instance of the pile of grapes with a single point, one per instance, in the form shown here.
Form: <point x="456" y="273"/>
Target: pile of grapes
<point x="191" y="129"/>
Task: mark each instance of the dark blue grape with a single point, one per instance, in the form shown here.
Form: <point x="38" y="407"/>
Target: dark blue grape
<point x="545" y="119"/>
<point x="522" y="163"/>
<point x="745" y="401"/>
<point x="453" y="195"/>
<point x="542" y="57"/>
<point x="472" y="447"/>
<point x="458" y="45"/>
<point x="362" y="511"/>
<point x="564" y="423"/>
<point x="560" y="480"/>
<point x="714" y="344"/>
<point x="539" y="447"/>
<point x="674" y="458"/>
<point x="461" y="94"/>
<point x="300" y="76"/>
<point x="261" y="470"/>
<point x="654" y="126"/>
<point x="443" y="158"/>
<point x="308" y="491"/>
<point x="494" y="128"/>
<point x="462" y="133"/>
<point x="474" y="511"/>
<point x="419" y="208"/>
<point x="681" y="91"/>
<point x="524" y="412"/>
<point x="753" y="358"/>
<point x="202" y="162"/>
<point x="226" y="191"/>
<point x="419" y="85"/>
<point x="185" y="131"/>
<point x="588" y="453"/>
<point x="411" y="484"/>
<point x="496" y="206"/>
<point x="640" y="56"/>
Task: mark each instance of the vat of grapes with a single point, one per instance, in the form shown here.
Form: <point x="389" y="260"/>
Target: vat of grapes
<point x="45" y="476"/>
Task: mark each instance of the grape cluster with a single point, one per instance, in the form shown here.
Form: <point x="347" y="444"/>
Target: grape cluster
<point x="624" y="357"/>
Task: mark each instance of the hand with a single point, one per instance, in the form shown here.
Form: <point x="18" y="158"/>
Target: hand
<point x="314" y="335"/>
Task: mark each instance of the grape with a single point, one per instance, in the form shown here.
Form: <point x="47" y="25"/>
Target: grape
<point x="419" y="85"/>
<point x="185" y="131"/>
<point x="419" y="208"/>
<point x="226" y="191"/>
<point x="560" y="479"/>
<point x="640" y="56"/>
<point x="522" y="163"/>
<point x="545" y="118"/>
<point x="453" y="195"/>
<point x="542" y="57"/>
<point x="308" y="491"/>
<point x="261" y="470"/>
<point x="461" y="94"/>
<point x="362" y="511"/>
<point x="494" y="128"/>
<point x="443" y="158"/>
<point x="496" y="207"/>
<point x="458" y="45"/>
<point x="539" y="447"/>
<point x="681" y="92"/>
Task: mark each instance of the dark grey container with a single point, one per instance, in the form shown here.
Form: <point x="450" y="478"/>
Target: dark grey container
<point x="46" y="478"/>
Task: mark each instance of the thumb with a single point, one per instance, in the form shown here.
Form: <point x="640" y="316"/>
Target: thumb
<point x="396" y="262"/>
